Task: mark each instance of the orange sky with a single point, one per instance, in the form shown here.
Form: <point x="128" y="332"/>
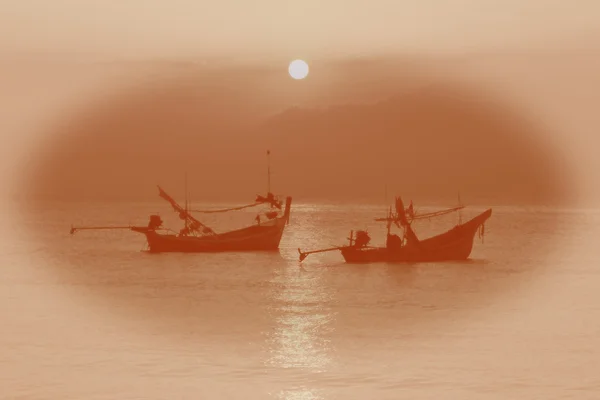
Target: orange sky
<point x="561" y="90"/>
<point x="309" y="28"/>
<point x="219" y="127"/>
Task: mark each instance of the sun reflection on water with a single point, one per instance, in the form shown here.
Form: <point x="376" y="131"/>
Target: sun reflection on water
<point x="300" y="393"/>
<point x="302" y="316"/>
<point x="302" y="323"/>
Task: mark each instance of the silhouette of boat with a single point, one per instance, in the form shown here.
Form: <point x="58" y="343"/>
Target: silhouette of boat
<point x="196" y="237"/>
<point x="453" y="245"/>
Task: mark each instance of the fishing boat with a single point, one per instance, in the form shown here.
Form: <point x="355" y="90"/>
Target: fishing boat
<point x="195" y="237"/>
<point x="454" y="245"/>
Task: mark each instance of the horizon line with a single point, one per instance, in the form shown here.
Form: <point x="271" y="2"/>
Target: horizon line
<point x="426" y="202"/>
<point x="226" y="59"/>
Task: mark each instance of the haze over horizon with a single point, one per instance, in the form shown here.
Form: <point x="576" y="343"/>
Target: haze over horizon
<point x="356" y="128"/>
<point x="224" y="112"/>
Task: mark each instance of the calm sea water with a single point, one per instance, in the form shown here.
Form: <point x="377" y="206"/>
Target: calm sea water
<point x="89" y="316"/>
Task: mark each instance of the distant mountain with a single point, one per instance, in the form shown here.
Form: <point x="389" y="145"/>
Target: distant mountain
<point x="429" y="144"/>
<point x="344" y="135"/>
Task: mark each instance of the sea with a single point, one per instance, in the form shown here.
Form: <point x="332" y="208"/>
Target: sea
<point x="92" y="316"/>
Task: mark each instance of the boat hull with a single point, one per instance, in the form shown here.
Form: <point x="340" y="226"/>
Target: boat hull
<point x="260" y="237"/>
<point x="254" y="238"/>
<point x="454" y="245"/>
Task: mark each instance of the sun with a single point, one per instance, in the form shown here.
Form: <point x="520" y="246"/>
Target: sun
<point x="298" y="69"/>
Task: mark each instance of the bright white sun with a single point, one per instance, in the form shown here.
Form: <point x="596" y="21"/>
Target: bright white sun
<point x="298" y="69"/>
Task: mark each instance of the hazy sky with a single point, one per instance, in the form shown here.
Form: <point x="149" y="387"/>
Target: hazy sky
<point x="308" y="28"/>
<point x="318" y="28"/>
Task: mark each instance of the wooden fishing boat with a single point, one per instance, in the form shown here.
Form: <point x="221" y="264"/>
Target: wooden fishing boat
<point x="196" y="237"/>
<point x="453" y="245"/>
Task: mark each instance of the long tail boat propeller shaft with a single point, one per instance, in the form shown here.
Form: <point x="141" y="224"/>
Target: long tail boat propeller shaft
<point x="304" y="254"/>
<point x="80" y="228"/>
<point x="362" y="239"/>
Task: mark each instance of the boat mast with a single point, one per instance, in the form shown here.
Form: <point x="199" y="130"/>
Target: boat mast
<point x="268" y="171"/>
<point x="186" y="200"/>
<point x="459" y="213"/>
<point x="385" y="195"/>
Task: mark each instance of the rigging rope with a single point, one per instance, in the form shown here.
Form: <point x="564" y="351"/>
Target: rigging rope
<point x="227" y="209"/>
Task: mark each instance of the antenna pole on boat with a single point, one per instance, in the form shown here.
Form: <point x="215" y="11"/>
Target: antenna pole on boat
<point x="459" y="213"/>
<point x="385" y="195"/>
<point x="186" y="200"/>
<point x="268" y="171"/>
